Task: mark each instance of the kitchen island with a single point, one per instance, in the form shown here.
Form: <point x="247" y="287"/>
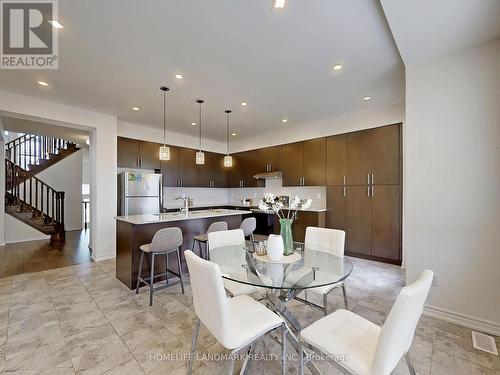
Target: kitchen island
<point x="133" y="231"/>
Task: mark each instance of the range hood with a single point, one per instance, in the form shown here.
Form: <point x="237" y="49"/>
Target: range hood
<point x="268" y="175"/>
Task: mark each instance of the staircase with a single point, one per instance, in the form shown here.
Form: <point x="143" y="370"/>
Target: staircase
<point x="27" y="198"/>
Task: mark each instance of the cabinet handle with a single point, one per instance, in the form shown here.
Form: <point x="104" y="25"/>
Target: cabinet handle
<point x="270" y="167"/>
<point x="303" y="181"/>
<point x="344" y="179"/>
<point x="373" y="180"/>
<point x="368" y="190"/>
<point x="368" y="177"/>
<point x="373" y="190"/>
<point x="345" y="191"/>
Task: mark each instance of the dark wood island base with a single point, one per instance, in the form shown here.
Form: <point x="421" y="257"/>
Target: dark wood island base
<point x="130" y="236"/>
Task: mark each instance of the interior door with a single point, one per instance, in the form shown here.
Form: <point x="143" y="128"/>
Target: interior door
<point x="359" y="218"/>
<point x="336" y="160"/>
<point x="128" y="152"/>
<point x="385" y="155"/>
<point x="149" y="153"/>
<point x="292" y="163"/>
<point x="359" y="158"/>
<point x="314" y="162"/>
<point x="170" y="168"/>
<point x="386" y="222"/>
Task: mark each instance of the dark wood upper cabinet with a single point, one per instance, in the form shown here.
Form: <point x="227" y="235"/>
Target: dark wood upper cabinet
<point x="336" y="160"/>
<point x="170" y="168"/>
<point x="212" y="173"/>
<point x="249" y="166"/>
<point x="386" y="222"/>
<point x="385" y="155"/>
<point x="270" y="159"/>
<point x="149" y="154"/>
<point x="292" y="163"/>
<point x="234" y="173"/>
<point x="128" y="153"/>
<point x="188" y="170"/>
<point x="220" y="172"/>
<point x="314" y="162"/>
<point x="359" y="158"/>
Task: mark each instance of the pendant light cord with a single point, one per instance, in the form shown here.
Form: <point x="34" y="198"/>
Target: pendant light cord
<point x="228" y="132"/>
<point x="199" y="130"/>
<point x="164" y="115"/>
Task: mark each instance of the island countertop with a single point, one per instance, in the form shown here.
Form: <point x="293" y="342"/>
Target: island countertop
<point x="179" y="216"/>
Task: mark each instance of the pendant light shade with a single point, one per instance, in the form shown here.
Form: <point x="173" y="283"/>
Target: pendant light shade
<point x="228" y="159"/>
<point x="200" y="156"/>
<point x="164" y="150"/>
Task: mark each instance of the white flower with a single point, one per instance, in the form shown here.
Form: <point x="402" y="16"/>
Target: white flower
<point x="306" y="204"/>
<point x="263" y="206"/>
<point x="295" y="203"/>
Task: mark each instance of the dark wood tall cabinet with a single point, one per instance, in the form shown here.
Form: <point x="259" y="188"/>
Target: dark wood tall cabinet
<point x="366" y="203"/>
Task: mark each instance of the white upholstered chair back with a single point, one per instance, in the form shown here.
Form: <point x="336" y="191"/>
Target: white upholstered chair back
<point x="399" y="327"/>
<point x="209" y="296"/>
<point x="233" y="237"/>
<point x="325" y="239"/>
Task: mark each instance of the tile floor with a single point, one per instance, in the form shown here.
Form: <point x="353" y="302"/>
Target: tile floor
<point x="81" y="319"/>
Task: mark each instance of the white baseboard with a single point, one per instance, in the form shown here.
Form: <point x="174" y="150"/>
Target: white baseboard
<point x="468" y="321"/>
<point x="102" y="257"/>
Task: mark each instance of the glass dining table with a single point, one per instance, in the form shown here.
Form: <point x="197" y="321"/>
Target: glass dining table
<point x="281" y="281"/>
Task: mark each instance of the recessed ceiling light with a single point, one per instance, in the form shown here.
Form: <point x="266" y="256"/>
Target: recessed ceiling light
<point x="233" y="134"/>
<point x="338" y="67"/>
<point x="56" y="24"/>
<point x="43" y="83"/>
<point x="279" y="4"/>
<point x="366" y="98"/>
<point x="284" y="121"/>
<point x="244" y="104"/>
<point x="193" y="123"/>
<point x="179" y="76"/>
<point x="136" y="109"/>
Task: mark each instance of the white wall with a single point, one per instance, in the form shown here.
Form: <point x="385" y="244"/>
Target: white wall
<point x="103" y="159"/>
<point x="452" y="176"/>
<point x="337" y="125"/>
<point x="146" y="133"/>
<point x="17" y="231"/>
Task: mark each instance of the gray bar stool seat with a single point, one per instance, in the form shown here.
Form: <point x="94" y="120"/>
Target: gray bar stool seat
<point x="202" y="238"/>
<point x="248" y="226"/>
<point x="164" y="242"/>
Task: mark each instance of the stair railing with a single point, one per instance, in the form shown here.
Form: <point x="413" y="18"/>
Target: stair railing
<point x="30" y="149"/>
<point x="43" y="199"/>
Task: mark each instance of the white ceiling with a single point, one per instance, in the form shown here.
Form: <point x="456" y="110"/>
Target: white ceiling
<point x="115" y="54"/>
<point x="427" y="28"/>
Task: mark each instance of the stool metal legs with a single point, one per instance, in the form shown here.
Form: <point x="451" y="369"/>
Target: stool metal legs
<point x="149" y="281"/>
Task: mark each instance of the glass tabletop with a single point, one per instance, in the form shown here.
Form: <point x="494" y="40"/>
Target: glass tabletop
<point x="315" y="268"/>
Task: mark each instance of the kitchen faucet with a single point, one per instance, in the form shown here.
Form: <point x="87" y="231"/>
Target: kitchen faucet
<point x="185" y="198"/>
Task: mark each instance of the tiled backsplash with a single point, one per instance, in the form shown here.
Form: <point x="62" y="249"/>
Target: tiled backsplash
<point x="316" y="193"/>
<point x="234" y="196"/>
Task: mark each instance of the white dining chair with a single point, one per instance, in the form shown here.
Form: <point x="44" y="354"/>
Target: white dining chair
<point x="330" y="241"/>
<point x="235" y="237"/>
<point x="369" y="349"/>
<point x="237" y="323"/>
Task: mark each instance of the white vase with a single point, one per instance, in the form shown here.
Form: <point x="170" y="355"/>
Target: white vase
<point x="275" y="247"/>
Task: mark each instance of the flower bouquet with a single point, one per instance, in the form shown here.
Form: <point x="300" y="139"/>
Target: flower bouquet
<point x="271" y="202"/>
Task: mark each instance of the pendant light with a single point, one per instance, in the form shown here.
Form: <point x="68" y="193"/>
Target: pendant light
<point x="228" y="159"/>
<point x="200" y="156"/>
<point x="164" y="150"/>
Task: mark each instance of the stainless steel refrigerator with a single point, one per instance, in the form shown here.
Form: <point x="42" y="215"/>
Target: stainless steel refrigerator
<point x="139" y="193"/>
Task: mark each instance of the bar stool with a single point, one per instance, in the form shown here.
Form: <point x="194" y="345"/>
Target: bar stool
<point x="248" y="226"/>
<point x="218" y="226"/>
<point x="165" y="241"/>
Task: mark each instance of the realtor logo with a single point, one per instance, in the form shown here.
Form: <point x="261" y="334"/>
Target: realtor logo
<point x="28" y="40"/>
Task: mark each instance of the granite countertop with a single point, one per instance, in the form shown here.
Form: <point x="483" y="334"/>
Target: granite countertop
<point x="179" y="216"/>
<point x="253" y="208"/>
